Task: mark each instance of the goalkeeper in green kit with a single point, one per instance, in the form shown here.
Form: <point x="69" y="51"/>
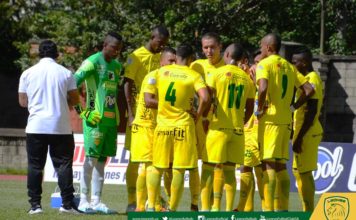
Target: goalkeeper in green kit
<point x="101" y="74"/>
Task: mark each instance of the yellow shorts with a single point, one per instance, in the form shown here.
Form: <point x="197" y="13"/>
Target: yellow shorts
<point x="175" y="144"/>
<point x="252" y="150"/>
<point x="201" y="138"/>
<point x="307" y="160"/>
<point x="224" y="145"/>
<point x="274" y="141"/>
<point x="128" y="138"/>
<point x="141" y="143"/>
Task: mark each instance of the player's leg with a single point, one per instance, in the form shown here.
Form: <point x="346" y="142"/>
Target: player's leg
<point x="247" y="187"/>
<point x="218" y="185"/>
<point x="141" y="192"/>
<point x="177" y="188"/>
<point x="269" y="184"/>
<point x="230" y="185"/>
<point x="194" y="186"/>
<point x="153" y="181"/>
<point x="167" y="179"/>
<point x="283" y="184"/>
<point x="206" y="185"/>
<point x="259" y="180"/>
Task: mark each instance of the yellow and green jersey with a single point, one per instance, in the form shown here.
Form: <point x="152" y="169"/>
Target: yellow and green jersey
<point x="233" y="87"/>
<point x="316" y="128"/>
<point x="203" y="66"/>
<point x="282" y="77"/>
<point x="138" y="64"/>
<point x="101" y="81"/>
<point x="145" y="116"/>
<point x="176" y="86"/>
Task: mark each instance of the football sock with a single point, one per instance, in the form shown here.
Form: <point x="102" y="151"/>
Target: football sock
<point x="194" y="185"/>
<point x="206" y="186"/>
<point x="153" y="182"/>
<point x="230" y="186"/>
<point x="167" y="180"/>
<point x="283" y="183"/>
<point x="306" y="189"/>
<point x="259" y="180"/>
<point x="277" y="206"/>
<point x="247" y="187"/>
<point x="131" y="178"/>
<point x="141" y="192"/>
<point x="97" y="181"/>
<point x="177" y="188"/>
<point x="218" y="187"/>
<point x="269" y="184"/>
<point x="85" y="181"/>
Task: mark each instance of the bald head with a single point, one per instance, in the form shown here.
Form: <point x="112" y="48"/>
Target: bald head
<point x="233" y="53"/>
<point x="270" y="44"/>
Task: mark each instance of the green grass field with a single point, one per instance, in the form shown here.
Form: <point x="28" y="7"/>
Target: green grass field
<point x="14" y="203"/>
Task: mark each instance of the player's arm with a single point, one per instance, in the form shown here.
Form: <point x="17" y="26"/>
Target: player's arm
<point x="307" y="92"/>
<point x="262" y="94"/>
<point x="73" y="97"/>
<point x="23" y="100"/>
<point x="204" y="102"/>
<point x="150" y="100"/>
<point x="309" y="116"/>
<point x="130" y="99"/>
<point x="249" y="109"/>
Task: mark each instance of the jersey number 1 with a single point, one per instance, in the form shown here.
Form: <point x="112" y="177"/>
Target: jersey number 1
<point x="232" y="87"/>
<point x="171" y="94"/>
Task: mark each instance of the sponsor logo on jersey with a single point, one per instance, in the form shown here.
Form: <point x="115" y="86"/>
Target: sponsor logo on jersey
<point x="336" y="208"/>
<point x="111" y="75"/>
<point x="329" y="168"/>
<point x="178" y="133"/>
<point x="110" y="101"/>
<point x="109" y="114"/>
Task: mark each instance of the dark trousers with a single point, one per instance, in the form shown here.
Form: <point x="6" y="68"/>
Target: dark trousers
<point x="61" y="150"/>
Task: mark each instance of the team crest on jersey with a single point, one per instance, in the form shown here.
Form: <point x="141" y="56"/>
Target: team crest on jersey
<point x="336" y="208"/>
<point x="166" y="73"/>
<point x="260" y="67"/>
<point x="111" y="75"/>
<point x="151" y="81"/>
<point x="228" y="74"/>
<point x="129" y="61"/>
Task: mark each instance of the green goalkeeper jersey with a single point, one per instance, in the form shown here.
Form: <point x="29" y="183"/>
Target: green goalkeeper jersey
<point x="101" y="81"/>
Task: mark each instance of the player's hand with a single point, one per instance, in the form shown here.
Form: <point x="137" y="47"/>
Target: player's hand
<point x="297" y="145"/>
<point x="91" y="116"/>
<point x="130" y="120"/>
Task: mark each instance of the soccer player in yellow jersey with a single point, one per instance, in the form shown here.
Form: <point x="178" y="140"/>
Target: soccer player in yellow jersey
<point x="252" y="160"/>
<point x="308" y="131"/>
<point x="276" y="79"/>
<point x="234" y="93"/>
<point x="142" y="61"/>
<point x="211" y="46"/>
<point x="142" y="132"/>
<point x="174" y="136"/>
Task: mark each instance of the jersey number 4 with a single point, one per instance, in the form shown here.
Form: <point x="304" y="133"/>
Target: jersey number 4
<point x="171" y="94"/>
<point x="232" y="88"/>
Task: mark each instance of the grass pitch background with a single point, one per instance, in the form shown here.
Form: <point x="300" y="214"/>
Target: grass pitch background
<point x="14" y="202"/>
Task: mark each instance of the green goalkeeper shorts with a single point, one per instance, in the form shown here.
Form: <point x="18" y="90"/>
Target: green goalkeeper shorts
<point x="100" y="141"/>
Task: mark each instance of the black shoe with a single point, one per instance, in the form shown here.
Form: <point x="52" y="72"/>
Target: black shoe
<point x="35" y="209"/>
<point x="194" y="208"/>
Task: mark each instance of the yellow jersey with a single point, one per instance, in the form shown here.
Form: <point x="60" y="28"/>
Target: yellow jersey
<point x="145" y="116"/>
<point x="176" y="86"/>
<point x="282" y="77"/>
<point x="203" y="66"/>
<point x="139" y="63"/>
<point x="316" y="128"/>
<point x="233" y="87"/>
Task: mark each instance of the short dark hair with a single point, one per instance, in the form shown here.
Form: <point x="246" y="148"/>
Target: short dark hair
<point x="169" y="50"/>
<point x="185" y="51"/>
<point x="237" y="52"/>
<point x="48" y="48"/>
<point x="305" y="53"/>
<point x="212" y="35"/>
<point x="115" y="35"/>
<point x="161" y="30"/>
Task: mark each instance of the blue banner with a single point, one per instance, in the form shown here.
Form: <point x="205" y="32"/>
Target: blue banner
<point x="336" y="168"/>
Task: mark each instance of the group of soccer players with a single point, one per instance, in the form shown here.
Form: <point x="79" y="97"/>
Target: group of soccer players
<point x="221" y="110"/>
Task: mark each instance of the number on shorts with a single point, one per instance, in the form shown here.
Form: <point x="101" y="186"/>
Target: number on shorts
<point x="171" y="94"/>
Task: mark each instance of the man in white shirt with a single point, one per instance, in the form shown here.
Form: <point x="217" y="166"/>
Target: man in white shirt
<point x="47" y="89"/>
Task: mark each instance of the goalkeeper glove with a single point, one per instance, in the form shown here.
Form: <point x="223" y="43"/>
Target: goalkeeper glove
<point x="91" y="116"/>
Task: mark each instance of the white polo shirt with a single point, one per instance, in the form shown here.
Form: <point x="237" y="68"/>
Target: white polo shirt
<point x="46" y="85"/>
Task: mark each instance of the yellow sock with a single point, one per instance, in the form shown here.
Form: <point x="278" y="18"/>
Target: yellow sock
<point x="158" y="205"/>
<point x="283" y="183"/>
<point x="306" y="189"/>
<point x="167" y="179"/>
<point x="131" y="178"/>
<point x="153" y="182"/>
<point x="269" y="184"/>
<point x="177" y="188"/>
<point x="218" y="188"/>
<point x="141" y="192"/>
<point x="194" y="185"/>
<point x="259" y="180"/>
<point x="277" y="206"/>
<point x="230" y="186"/>
<point x="206" y="186"/>
<point x="246" y="187"/>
